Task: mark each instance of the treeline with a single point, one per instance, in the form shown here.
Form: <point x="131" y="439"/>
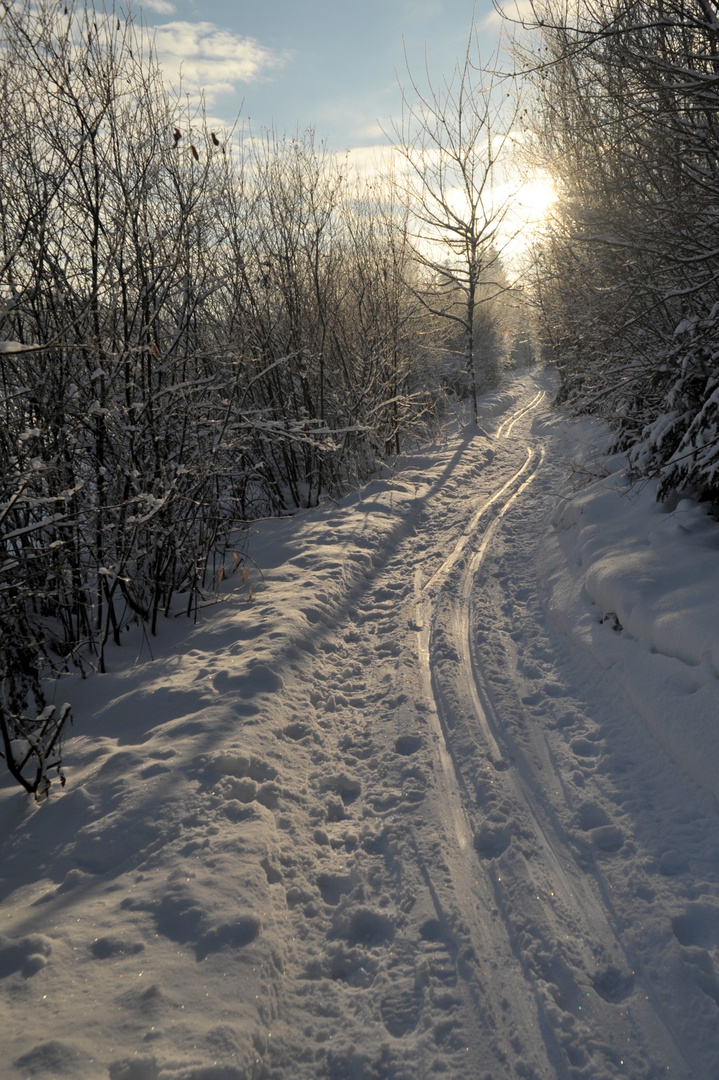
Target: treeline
<point x="627" y="119"/>
<point x="195" y="331"/>
<point x="197" y="328"/>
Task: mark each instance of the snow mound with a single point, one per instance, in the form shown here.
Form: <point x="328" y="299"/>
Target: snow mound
<point x="635" y="584"/>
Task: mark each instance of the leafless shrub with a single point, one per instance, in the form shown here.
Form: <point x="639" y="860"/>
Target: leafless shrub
<point x="194" y="331"/>
<point x="626" y="119"/>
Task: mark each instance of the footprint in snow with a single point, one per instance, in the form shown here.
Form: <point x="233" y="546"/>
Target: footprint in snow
<point x="612" y="985"/>
<point x="672" y="864"/>
<point x="584" y="748"/>
<point x="241" y="765"/>
<point x="592" y="816"/>
<point x="296" y="731"/>
<point x="698" y="926"/>
<point x="105" y="948"/>
<point x="492" y="840"/>
<point x="334" y="886"/>
<point x="365" y="926"/>
<point x="408" y="744"/>
<point x="594" y="821"/>
<point x="437" y="957"/>
<point x="607" y="838"/>
<point x="54" y="1058"/>
<point x="258" y="680"/>
<point x="26" y="955"/>
<point x="701" y="964"/>
<point x="401" y="1008"/>
<point x="347" y="787"/>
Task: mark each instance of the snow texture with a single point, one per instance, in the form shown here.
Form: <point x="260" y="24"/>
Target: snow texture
<point x="440" y="798"/>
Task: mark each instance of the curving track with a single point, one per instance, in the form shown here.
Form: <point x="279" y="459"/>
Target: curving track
<point x="485" y="901"/>
<point x="555" y="931"/>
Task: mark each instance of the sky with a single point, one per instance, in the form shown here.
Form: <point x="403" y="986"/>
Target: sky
<point x="327" y="64"/>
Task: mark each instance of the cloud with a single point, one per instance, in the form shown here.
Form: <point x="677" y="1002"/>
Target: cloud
<point x="160" y="7"/>
<point x="369" y="162"/>
<point x="211" y="59"/>
<point x="508" y="13"/>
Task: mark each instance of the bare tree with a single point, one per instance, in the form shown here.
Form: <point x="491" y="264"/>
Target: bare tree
<point x="453" y="140"/>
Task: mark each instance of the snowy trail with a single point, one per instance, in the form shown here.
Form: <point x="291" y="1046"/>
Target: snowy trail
<point x="524" y="1015"/>
<point x="475" y="897"/>
<point x="388" y="820"/>
<point x="571" y="906"/>
<point x="582" y="939"/>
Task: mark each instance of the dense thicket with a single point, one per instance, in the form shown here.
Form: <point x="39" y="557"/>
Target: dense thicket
<point x="194" y="333"/>
<point x="627" y="120"/>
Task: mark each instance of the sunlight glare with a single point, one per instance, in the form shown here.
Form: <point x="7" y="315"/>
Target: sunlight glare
<point x="534" y="200"/>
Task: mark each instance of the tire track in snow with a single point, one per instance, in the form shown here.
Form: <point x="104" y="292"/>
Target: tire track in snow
<point x="505" y="428"/>
<point x="468" y="533"/>
<point x="517" y="881"/>
<point x="580" y="907"/>
<point x="525" y="1039"/>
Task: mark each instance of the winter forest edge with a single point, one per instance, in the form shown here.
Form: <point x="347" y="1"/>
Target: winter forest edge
<point x="201" y="328"/>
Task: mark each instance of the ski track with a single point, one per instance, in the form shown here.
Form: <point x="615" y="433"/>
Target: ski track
<point x="544" y="982"/>
<point x="444" y="823"/>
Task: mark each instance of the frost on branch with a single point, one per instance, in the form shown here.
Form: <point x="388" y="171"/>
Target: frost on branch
<point x="625" y="266"/>
<point x="681" y="445"/>
<point x="32" y="746"/>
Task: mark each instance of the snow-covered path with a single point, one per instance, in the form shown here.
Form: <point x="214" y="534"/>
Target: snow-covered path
<point x="414" y="809"/>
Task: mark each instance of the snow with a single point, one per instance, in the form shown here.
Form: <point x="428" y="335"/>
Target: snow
<point x="431" y="790"/>
<point x="16" y="347"/>
<point x="652" y="573"/>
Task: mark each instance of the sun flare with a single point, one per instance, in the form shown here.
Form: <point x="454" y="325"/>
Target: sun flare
<point x="535" y="199"/>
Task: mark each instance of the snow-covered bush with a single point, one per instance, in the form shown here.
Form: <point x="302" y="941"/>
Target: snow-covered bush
<point x="681" y="445"/>
<point x="199" y="328"/>
<point x="625" y="119"/>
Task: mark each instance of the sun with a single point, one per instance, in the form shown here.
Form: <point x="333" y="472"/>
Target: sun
<point x="528" y="208"/>
<point x="535" y="198"/>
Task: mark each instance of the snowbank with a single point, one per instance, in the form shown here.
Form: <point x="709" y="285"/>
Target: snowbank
<point x="636" y="585"/>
